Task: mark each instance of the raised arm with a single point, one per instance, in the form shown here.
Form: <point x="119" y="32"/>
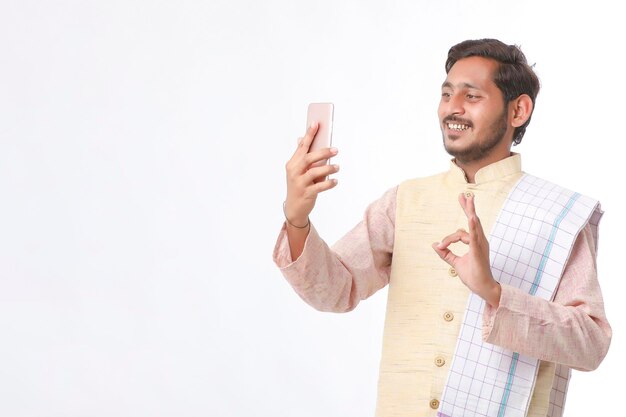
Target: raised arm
<point x="357" y="265"/>
<point x="305" y="181"/>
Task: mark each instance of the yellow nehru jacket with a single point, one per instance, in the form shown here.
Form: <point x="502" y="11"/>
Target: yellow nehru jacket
<point x="426" y="298"/>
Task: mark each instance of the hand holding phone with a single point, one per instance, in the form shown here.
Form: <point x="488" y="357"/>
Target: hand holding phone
<point x="322" y="114"/>
<point x="307" y="173"/>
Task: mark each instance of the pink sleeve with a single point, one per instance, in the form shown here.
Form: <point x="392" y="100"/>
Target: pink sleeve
<point x="356" y="267"/>
<point x="572" y="330"/>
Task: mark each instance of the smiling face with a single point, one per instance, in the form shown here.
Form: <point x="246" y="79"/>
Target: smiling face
<point x="473" y="117"/>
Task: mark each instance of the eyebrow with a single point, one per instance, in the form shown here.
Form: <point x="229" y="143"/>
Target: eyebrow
<point x="463" y="85"/>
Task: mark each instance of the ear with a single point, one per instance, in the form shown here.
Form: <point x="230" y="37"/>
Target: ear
<point x="520" y="110"/>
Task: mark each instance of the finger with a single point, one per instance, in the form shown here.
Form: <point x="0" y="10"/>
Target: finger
<point x="297" y="151"/>
<point x="322" y="186"/>
<point x="317" y="172"/>
<point x="307" y="139"/>
<point x="445" y="254"/>
<point x="476" y="235"/>
<point x="464" y="201"/>
<point x="465" y="236"/>
<point x="301" y="163"/>
<point x="458" y="236"/>
<point x="319" y="155"/>
<point x="469" y="207"/>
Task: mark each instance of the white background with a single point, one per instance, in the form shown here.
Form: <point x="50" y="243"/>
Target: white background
<point x="142" y="152"/>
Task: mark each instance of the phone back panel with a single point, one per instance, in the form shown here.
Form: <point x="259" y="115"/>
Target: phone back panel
<point x="321" y="113"/>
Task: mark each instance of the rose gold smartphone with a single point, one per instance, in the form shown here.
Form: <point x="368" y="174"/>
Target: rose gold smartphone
<point x="321" y="113"/>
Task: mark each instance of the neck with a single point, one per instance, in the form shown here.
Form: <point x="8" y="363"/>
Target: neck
<point x="470" y="168"/>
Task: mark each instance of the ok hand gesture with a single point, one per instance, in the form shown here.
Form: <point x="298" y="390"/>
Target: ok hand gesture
<point x="473" y="267"/>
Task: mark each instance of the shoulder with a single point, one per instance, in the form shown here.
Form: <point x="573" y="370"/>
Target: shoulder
<point x="532" y="186"/>
<point x="554" y="204"/>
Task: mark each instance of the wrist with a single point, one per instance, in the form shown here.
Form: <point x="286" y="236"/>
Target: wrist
<point x="494" y="294"/>
<point x="295" y="222"/>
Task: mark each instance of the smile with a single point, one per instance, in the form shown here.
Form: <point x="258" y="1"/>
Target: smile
<point x="457" y="127"/>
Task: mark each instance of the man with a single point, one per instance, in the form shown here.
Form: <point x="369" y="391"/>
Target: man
<point x="532" y="328"/>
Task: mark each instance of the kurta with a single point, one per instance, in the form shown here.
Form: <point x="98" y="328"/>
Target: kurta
<point x="426" y="299"/>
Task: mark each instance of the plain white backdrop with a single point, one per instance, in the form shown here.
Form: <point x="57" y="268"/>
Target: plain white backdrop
<point x="142" y="152"/>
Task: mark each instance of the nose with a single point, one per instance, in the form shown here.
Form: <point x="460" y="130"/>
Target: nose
<point x="454" y="104"/>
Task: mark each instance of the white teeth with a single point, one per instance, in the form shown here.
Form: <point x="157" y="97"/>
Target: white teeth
<point x="457" y="126"/>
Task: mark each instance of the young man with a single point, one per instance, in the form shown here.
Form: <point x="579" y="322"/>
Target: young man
<point x="475" y="325"/>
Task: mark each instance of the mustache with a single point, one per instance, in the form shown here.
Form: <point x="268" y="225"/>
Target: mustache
<point x="456" y="119"/>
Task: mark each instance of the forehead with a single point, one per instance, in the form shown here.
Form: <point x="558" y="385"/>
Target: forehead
<point x="474" y="71"/>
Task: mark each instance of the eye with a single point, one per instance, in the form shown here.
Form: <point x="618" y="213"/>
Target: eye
<point x="445" y="95"/>
<point x="473" y="97"/>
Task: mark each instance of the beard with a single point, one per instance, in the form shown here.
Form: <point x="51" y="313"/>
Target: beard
<point x="483" y="145"/>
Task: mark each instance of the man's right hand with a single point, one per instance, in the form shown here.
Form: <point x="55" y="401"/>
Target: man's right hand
<point x="304" y="182"/>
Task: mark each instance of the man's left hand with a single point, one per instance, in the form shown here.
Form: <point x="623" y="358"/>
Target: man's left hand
<point x="473" y="267"/>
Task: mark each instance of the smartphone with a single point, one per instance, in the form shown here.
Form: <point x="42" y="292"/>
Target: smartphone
<point x="321" y="113"/>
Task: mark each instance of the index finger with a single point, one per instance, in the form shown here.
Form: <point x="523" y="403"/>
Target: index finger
<point x="307" y="139"/>
<point x="458" y="236"/>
